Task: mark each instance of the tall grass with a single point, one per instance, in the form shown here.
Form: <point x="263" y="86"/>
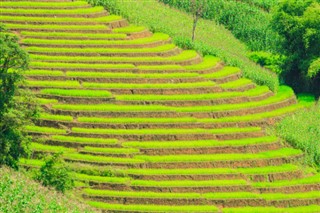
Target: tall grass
<point x="244" y="19"/>
<point x="302" y="130"/>
<point x="18" y="193"/>
<point x="211" y="39"/>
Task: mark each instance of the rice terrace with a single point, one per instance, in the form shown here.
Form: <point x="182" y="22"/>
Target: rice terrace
<point x="160" y="106"/>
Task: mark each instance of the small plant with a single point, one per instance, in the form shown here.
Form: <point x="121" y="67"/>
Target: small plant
<point x="55" y="173"/>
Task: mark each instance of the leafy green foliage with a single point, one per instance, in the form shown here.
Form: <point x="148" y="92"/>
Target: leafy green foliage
<point x="298" y="23"/>
<point x="15" y="113"/>
<point x="247" y="22"/>
<point x="54" y="173"/>
<point x="268" y="60"/>
<point x="302" y="131"/>
<point x="18" y="193"/>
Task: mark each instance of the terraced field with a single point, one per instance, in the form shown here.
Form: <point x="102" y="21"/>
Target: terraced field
<point x="148" y="127"/>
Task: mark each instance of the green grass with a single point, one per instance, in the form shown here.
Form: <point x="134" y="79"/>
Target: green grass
<point x="164" y="131"/>
<point x="188" y="183"/>
<point x="101" y="179"/>
<point x="215" y="40"/>
<point x="19" y="193"/>
<point x="110" y="150"/>
<point x="43" y="73"/>
<point x="45" y="116"/>
<point x="315" y="179"/>
<point x="52" y="11"/>
<point x="161" y="67"/>
<point x="83" y="140"/>
<point x="43" y="101"/>
<point x="129" y="29"/>
<point x="68" y="65"/>
<point x="101" y="159"/>
<point x="43" y="4"/>
<point x="77" y="93"/>
<point x="129" y="75"/>
<point x="104" y="19"/>
<point x="65" y="84"/>
<point x="236" y="84"/>
<point x="50" y="148"/>
<point x="74" y="35"/>
<point x="152" y="208"/>
<point x="108" y="107"/>
<point x="58" y="27"/>
<point x="284" y="152"/>
<point x="226" y="71"/>
<point x="185" y="55"/>
<point x="215" y="196"/>
<point x="31" y="162"/>
<point x="198" y="144"/>
<point x="302" y="130"/>
<point x="47" y="130"/>
<point x="207" y="96"/>
<point x="154" y="38"/>
<point x="135" y="120"/>
<point x="148" y="86"/>
<point x="283" y="94"/>
<point x="207" y="63"/>
<point x="162" y="48"/>
<point x="257" y="116"/>
<point x="304" y="209"/>
<point x="212" y="171"/>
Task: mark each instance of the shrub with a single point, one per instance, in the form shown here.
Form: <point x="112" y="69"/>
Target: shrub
<point x="302" y="130"/>
<point x="15" y="113"/>
<point x="18" y="193"/>
<point x="54" y="173"/>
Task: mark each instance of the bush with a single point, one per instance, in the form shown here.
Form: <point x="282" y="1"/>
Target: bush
<point x="302" y="131"/>
<point x="271" y="61"/>
<point x="298" y="23"/>
<point x="15" y="112"/>
<point x="54" y="173"/>
<point x="18" y="193"/>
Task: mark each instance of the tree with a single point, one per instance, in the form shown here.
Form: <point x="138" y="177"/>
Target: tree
<point x="298" y="23"/>
<point x="197" y="8"/>
<point x="17" y="107"/>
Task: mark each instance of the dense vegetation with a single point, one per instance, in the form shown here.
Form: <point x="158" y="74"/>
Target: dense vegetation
<point x="246" y="21"/>
<point x="287" y="32"/>
<point x="17" y="107"/>
<point x="18" y="193"/>
<point x="213" y="40"/>
<point x="302" y="131"/>
<point x="298" y="23"/>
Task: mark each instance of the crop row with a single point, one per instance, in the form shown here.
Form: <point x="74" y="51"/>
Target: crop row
<point x="74" y="35"/>
<point x="154" y="38"/>
<point x="220" y="196"/>
<point x="197" y="144"/>
<point x="164" y="131"/>
<point x="162" y="48"/>
<point x="77" y="93"/>
<point x="284" y="94"/>
<point x="199" y="208"/>
<point x="185" y="55"/>
<point x="209" y="96"/>
<point x="42" y="4"/>
<point x="102" y="74"/>
<point x="104" y="19"/>
<point x="57" y="27"/>
<point x="88" y="10"/>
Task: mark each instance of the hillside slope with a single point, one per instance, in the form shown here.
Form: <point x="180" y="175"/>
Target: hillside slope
<point x="148" y="127"/>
